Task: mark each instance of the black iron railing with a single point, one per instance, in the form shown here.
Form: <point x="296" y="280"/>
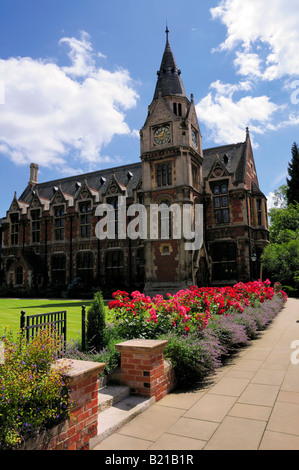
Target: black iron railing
<point x="54" y="321"/>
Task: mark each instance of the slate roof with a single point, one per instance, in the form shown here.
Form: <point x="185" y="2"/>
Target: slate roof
<point x="128" y="176"/>
<point x="232" y="156"/>
<point x="169" y="82"/>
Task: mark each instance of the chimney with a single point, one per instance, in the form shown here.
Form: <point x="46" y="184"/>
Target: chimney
<point x="33" y="174"/>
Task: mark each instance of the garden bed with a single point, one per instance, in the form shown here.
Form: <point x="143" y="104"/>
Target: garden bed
<point x="203" y="326"/>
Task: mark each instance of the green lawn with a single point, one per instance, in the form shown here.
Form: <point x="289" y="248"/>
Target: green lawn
<point x="10" y="312"/>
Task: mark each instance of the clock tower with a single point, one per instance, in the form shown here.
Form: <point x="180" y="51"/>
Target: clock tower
<point x="171" y="155"/>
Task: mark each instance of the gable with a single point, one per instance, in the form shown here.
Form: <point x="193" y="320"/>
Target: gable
<point x="160" y="112"/>
<point x="218" y="169"/>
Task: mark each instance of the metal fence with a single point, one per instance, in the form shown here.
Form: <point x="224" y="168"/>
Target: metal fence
<point x="31" y="324"/>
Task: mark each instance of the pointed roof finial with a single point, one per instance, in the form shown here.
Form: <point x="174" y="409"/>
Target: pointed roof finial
<point x="166" y="31"/>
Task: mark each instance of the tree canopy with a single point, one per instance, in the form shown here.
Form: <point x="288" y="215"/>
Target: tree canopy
<point x="293" y="171"/>
<point x="280" y="259"/>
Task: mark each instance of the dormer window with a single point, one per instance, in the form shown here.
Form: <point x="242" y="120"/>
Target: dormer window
<point x="225" y="159"/>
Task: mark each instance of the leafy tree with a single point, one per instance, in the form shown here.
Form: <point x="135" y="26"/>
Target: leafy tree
<point x="280" y="259"/>
<point x="96" y="323"/>
<point x="281" y="262"/>
<point x="293" y="181"/>
<point x="284" y="223"/>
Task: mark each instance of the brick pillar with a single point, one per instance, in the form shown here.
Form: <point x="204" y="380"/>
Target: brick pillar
<point x="143" y="367"/>
<point x="82" y="425"/>
<point x="75" y="432"/>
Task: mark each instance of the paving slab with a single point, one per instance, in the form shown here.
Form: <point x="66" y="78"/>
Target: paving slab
<point x="289" y="397"/>
<point x="211" y="407"/>
<point x="176" y="443"/>
<point x="121" y="442"/>
<point x="285" y="418"/>
<point x="242" y="410"/>
<point x="151" y="424"/>
<point x="183" y="400"/>
<point x="194" y="428"/>
<point x="259" y="394"/>
<point x="280" y="441"/>
<point x="268" y="377"/>
<point x="237" y="434"/>
<point x="230" y="386"/>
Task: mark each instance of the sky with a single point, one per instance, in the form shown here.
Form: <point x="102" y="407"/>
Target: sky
<point x="77" y="77"/>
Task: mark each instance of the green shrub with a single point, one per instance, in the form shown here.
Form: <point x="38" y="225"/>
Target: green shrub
<point x="291" y="291"/>
<point x="96" y="323"/>
<point x="34" y="395"/>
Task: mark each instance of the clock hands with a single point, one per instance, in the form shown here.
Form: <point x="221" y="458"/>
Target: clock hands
<point x="161" y="135"/>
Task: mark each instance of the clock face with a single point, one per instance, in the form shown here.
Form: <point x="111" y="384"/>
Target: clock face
<point x="162" y="135"/>
<point x="194" y="139"/>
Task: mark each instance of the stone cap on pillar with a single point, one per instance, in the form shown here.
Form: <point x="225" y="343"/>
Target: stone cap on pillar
<point x="142" y="346"/>
<point x="78" y="369"/>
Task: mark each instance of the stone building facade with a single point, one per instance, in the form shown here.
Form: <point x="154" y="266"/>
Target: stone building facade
<point x="49" y="233"/>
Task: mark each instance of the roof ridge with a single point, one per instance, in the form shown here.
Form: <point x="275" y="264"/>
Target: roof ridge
<point x="223" y="146"/>
<point x="82" y="175"/>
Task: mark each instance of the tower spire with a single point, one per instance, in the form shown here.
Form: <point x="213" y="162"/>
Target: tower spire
<point x="169" y="82"/>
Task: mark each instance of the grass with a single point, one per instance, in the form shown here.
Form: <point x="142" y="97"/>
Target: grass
<point x="10" y="312"/>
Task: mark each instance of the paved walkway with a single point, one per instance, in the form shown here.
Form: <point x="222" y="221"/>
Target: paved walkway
<point x="252" y="403"/>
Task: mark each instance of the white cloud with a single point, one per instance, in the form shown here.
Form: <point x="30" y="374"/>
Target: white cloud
<point x="226" y="119"/>
<point x="50" y="112"/>
<point x="81" y="54"/>
<point x="248" y="64"/>
<point x="228" y="89"/>
<point x="270" y="200"/>
<point x="270" y="27"/>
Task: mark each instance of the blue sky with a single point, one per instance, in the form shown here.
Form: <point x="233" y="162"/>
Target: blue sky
<point x="76" y="79"/>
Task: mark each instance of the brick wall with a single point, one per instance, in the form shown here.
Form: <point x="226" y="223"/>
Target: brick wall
<point x="76" y="432"/>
